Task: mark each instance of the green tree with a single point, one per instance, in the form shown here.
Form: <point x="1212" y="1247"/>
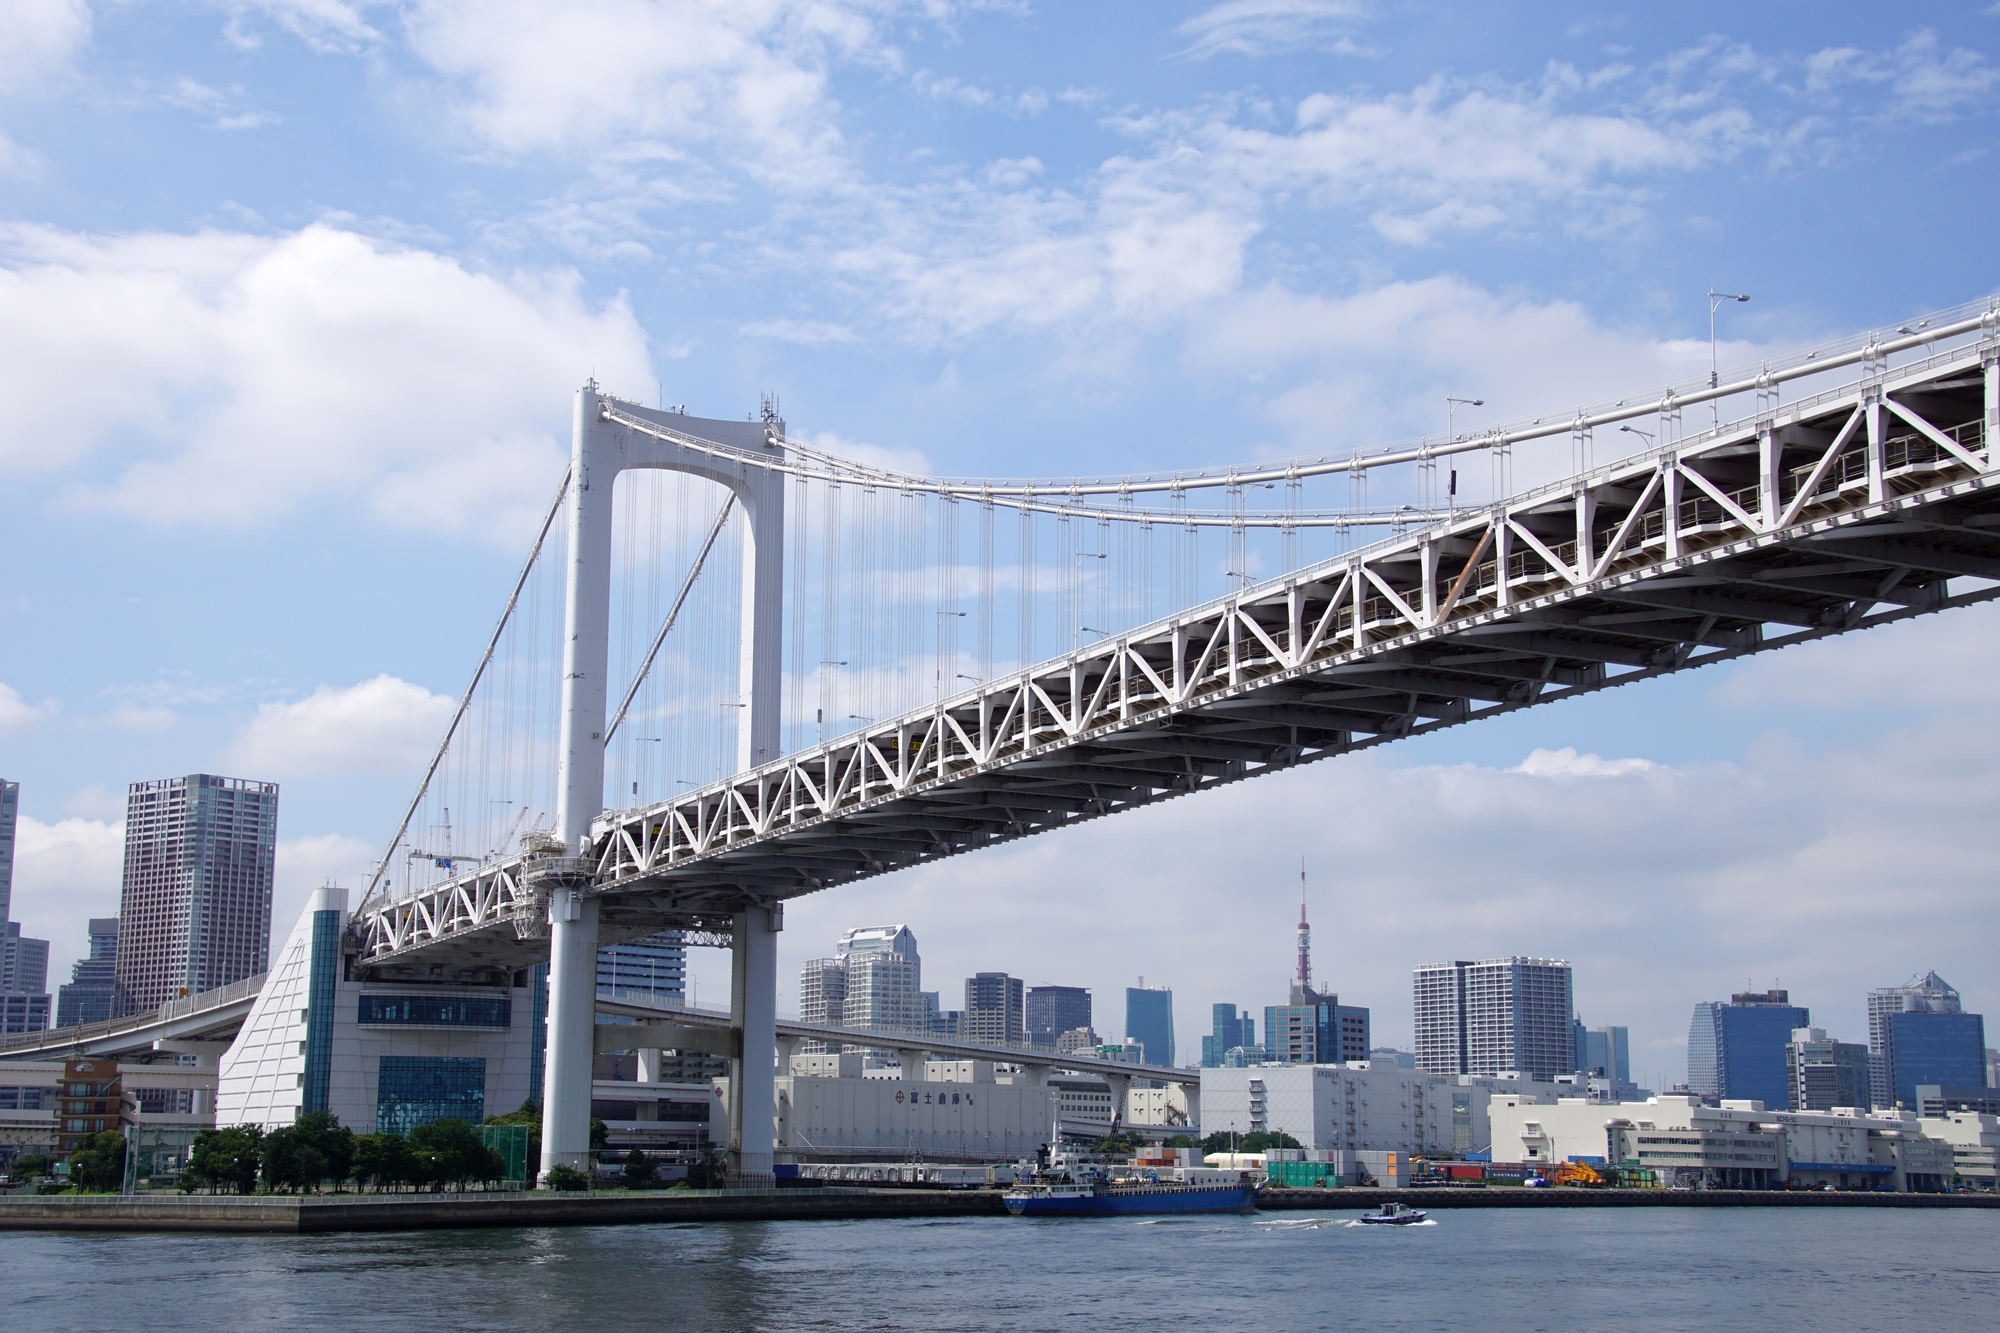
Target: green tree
<point x="97" y="1165"/>
<point x="31" y="1165"/>
<point x="322" y="1133"/>
<point x="291" y="1162"/>
<point x="1260" y="1141"/>
<point x="1182" y="1141"/>
<point x="707" y="1173"/>
<point x="225" y="1158"/>
<point x="383" y="1160"/>
<point x="449" y="1153"/>
<point x="640" y="1171"/>
<point x="566" y="1178"/>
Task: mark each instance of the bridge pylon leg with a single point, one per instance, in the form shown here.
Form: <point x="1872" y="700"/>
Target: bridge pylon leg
<point x="753" y="1012"/>
<point x="572" y="1022"/>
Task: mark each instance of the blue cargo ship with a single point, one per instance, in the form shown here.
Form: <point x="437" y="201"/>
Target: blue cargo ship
<point x="1099" y="1198"/>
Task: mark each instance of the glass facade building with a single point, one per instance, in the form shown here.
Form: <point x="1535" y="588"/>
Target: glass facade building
<point x="1942" y="1044"/>
<point x="413" y="1090"/>
<point x="1947" y="1050"/>
<point x="24" y="962"/>
<point x="995" y="1009"/>
<point x="1054" y="1010"/>
<point x="1149" y="1020"/>
<point x="1227" y="1032"/>
<point x="91" y="995"/>
<point x="1737" y="1051"/>
<point x="650" y="969"/>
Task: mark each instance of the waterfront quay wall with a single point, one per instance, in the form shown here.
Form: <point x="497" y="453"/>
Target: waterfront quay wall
<point x="432" y="1212"/>
<point x="426" y="1212"/>
<point x="1358" y="1198"/>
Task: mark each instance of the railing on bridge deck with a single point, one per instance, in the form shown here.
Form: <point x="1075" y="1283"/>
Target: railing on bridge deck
<point x="1355" y="651"/>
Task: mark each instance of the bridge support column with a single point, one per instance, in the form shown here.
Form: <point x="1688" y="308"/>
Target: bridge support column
<point x="753" y="1011"/>
<point x="1192" y="1092"/>
<point x="572" y="1018"/>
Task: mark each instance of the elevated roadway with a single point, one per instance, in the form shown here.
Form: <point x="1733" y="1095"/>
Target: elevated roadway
<point x="1855" y="507"/>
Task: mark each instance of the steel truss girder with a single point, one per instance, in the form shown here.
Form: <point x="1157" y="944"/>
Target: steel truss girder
<point x="1668" y="562"/>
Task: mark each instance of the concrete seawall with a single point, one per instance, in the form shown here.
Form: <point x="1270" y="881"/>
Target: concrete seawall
<point x="1355" y="1200"/>
<point x="423" y="1212"/>
<point x="428" y="1212"/>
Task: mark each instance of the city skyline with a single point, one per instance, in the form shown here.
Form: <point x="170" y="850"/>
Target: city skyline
<point x="982" y="241"/>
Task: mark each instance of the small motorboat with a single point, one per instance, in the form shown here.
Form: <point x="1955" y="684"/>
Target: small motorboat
<point x="1393" y="1214"/>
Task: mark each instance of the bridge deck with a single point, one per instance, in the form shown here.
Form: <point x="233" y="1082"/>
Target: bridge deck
<point x="1863" y="505"/>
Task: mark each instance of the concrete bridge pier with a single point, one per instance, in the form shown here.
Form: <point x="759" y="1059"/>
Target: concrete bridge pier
<point x="753" y="1012"/>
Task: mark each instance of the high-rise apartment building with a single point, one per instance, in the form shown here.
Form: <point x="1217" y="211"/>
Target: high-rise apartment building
<point x="1496" y="1016"/>
<point x="1149" y="1020"/>
<point x="1227" y="1032"/>
<point x="994" y="1009"/>
<point x="1054" y="1010"/>
<point x="91" y="996"/>
<point x="195" y="912"/>
<point x="873" y="982"/>
<point x="1823" y="1073"/>
<point x="1736" y="1051"/>
<point x="1918" y="1034"/>
<point x="24" y="962"/>
<point x="652" y="969"/>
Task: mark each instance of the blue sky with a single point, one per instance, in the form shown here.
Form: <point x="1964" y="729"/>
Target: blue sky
<point x="293" y="294"/>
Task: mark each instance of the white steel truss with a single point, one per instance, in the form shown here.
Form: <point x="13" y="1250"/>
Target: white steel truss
<point x="1856" y="507"/>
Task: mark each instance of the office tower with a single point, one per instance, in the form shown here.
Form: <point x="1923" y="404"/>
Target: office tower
<point x="1496" y="1016"/>
<point x="92" y="993"/>
<point x="1314" y="1029"/>
<point x="1604" y="1053"/>
<point x="1054" y="1010"/>
<point x="1736" y="1051"/>
<point x="650" y="970"/>
<point x="1822" y="1073"/>
<point x="873" y="982"/>
<point x="1227" y="1032"/>
<point x="994" y="1006"/>
<point x="1918" y="1034"/>
<point x="24" y="962"/>
<point x="195" y="912"/>
<point x="1149" y="1020"/>
<point x="1078" y="1039"/>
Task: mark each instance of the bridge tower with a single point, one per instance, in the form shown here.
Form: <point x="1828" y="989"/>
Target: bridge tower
<point x="600" y="450"/>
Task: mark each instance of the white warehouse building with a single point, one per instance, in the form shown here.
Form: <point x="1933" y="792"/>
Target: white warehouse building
<point x="1361" y="1106"/>
<point x="1738" y="1144"/>
<point x="959" y="1109"/>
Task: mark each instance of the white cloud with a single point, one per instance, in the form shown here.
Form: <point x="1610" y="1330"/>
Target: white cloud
<point x="1664" y="885"/>
<point x="305" y="863"/>
<point x="324" y="25"/>
<point x="1921" y="77"/>
<point x="224" y="378"/>
<point x="1567" y="763"/>
<point x="384" y="725"/>
<point x="38" y="40"/>
<point x="1265" y="27"/>
<point x="746" y="76"/>
<point x="16" y="713"/>
<point x="805" y="332"/>
<point x="64" y="874"/>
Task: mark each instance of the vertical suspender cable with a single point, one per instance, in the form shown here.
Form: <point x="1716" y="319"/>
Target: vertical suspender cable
<point x="465" y="701"/>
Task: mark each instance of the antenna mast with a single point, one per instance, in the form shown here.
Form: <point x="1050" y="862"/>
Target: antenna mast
<point x="1305" y="931"/>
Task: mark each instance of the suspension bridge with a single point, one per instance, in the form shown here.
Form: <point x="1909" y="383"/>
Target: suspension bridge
<point x="738" y="571"/>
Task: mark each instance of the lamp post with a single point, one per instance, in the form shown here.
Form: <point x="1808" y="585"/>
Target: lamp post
<point x="937" y="654"/>
<point x="1451" y="406"/>
<point x="1715" y="300"/>
<point x="820" y="712"/>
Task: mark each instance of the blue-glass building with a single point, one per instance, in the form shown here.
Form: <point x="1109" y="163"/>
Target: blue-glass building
<point x="1315" y="1029"/>
<point x="1227" y="1032"/>
<point x="1737" y="1051"/>
<point x="1948" y="1050"/>
<point x="1149" y="1020"/>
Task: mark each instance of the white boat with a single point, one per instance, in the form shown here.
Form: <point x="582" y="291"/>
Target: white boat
<point x="1393" y="1214"/>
